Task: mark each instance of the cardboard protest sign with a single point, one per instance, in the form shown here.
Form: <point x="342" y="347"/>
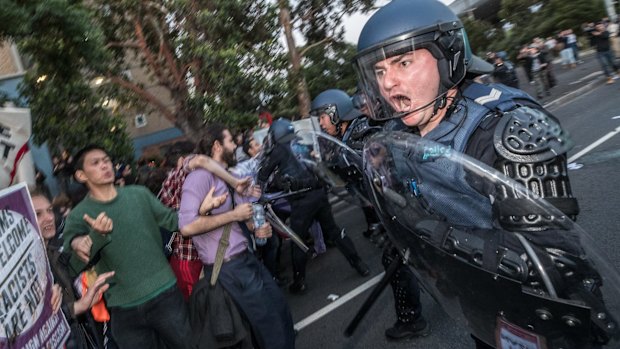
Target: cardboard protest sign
<point x="16" y="163"/>
<point x="26" y="318"/>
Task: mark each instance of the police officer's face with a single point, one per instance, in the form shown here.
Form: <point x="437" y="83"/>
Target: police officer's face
<point x="408" y="83"/>
<point x="327" y="126"/>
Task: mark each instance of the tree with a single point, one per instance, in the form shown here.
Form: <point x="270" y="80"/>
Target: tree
<point x="211" y="57"/>
<point x="481" y="34"/>
<point x="543" y="18"/>
<point x="64" y="49"/>
<point x="562" y="15"/>
<point x="324" y="61"/>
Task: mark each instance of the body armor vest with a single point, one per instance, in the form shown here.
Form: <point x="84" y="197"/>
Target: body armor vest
<point x="480" y="102"/>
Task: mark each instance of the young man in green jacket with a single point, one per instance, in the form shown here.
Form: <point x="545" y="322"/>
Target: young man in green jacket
<point x="122" y="225"/>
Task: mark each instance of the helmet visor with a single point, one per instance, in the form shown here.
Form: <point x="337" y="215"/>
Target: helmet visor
<point x="329" y="109"/>
<point x="377" y="69"/>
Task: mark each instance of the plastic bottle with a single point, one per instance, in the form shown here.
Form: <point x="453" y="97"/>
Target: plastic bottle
<point x="258" y="215"/>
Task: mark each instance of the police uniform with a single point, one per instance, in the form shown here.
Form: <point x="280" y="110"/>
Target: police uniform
<point x="290" y="174"/>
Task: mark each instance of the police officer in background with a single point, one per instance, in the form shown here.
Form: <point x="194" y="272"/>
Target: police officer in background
<point x="290" y="174"/>
<point x="414" y="63"/>
<point x="335" y="111"/>
<point x="340" y="119"/>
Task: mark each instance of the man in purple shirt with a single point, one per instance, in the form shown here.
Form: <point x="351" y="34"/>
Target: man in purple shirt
<point x="245" y="279"/>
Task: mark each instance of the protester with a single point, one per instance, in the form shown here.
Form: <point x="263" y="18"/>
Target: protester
<point x="119" y="228"/>
<point x="184" y="259"/>
<point x="537" y="65"/>
<point x="84" y="331"/>
<point x="567" y="53"/>
<point x="604" y="54"/>
<point x="242" y="276"/>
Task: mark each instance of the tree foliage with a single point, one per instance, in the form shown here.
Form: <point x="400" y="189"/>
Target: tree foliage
<point x="324" y="58"/>
<point x="217" y="60"/>
<point x="212" y="59"/>
<point x="551" y="17"/>
<point x="65" y="52"/>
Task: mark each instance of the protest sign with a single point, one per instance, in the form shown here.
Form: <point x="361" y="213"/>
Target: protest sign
<point x="16" y="163"/>
<point x="26" y="317"/>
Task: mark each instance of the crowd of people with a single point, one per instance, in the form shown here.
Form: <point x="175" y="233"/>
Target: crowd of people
<point x="181" y="261"/>
<point x="537" y="57"/>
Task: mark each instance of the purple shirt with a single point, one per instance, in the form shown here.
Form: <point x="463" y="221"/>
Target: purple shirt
<point x="195" y="189"/>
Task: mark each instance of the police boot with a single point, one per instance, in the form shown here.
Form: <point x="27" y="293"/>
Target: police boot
<point x="408" y="329"/>
<point x="360" y="266"/>
<point x="373" y="229"/>
<point x="299" y="284"/>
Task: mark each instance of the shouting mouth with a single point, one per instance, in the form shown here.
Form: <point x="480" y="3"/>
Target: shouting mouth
<point x="401" y="103"/>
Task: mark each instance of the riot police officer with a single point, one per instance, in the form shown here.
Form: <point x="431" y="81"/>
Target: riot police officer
<point x="340" y="119"/>
<point x="291" y="174"/>
<point x="414" y="63"/>
<point x="335" y="111"/>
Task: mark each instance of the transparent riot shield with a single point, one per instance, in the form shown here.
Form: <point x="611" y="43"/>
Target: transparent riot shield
<point x="338" y="165"/>
<point x="513" y="285"/>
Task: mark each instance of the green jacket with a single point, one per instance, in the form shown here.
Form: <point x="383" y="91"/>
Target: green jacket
<point x="134" y="247"/>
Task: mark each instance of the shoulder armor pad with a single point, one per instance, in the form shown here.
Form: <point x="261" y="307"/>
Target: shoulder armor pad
<point x="527" y="135"/>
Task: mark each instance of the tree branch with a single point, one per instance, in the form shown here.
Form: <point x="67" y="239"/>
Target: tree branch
<point x="302" y="53"/>
<point x="148" y="55"/>
<point x="149" y="97"/>
<point x="165" y="53"/>
<point x="126" y="44"/>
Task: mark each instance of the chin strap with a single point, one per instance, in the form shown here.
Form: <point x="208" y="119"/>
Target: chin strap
<point x="440" y="103"/>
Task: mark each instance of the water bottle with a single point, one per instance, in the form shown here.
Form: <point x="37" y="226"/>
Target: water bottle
<point x="258" y="215"/>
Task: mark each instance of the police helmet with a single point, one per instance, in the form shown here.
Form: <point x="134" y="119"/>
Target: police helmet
<point x="404" y="26"/>
<point x="281" y="131"/>
<point x="336" y="104"/>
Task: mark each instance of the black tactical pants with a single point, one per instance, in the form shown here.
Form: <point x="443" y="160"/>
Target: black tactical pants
<point x="405" y="288"/>
<point x="305" y="209"/>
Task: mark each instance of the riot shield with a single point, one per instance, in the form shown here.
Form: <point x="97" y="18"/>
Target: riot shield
<point x="542" y="287"/>
<point x="337" y="165"/>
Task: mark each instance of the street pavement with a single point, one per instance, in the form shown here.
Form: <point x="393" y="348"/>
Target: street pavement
<point x="588" y="109"/>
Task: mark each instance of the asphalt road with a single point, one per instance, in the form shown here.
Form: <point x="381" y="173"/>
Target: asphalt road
<point x="588" y="110"/>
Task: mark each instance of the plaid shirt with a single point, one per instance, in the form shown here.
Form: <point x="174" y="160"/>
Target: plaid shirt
<point x="170" y="195"/>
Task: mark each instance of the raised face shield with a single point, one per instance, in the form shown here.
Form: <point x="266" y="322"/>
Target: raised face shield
<point x="329" y="109"/>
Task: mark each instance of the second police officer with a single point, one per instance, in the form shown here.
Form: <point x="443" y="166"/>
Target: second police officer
<point x="291" y="174"/>
<point x="339" y="118"/>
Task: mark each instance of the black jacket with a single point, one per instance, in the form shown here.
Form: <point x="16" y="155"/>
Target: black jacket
<point x="283" y="172"/>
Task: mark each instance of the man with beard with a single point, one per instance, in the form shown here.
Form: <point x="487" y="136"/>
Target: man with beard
<point x="244" y="278"/>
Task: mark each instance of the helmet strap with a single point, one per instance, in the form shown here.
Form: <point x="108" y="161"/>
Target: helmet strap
<point x="441" y="100"/>
<point x="440" y="103"/>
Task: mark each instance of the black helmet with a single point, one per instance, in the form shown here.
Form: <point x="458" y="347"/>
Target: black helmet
<point x="335" y="103"/>
<point x="406" y="25"/>
<point x="282" y="131"/>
